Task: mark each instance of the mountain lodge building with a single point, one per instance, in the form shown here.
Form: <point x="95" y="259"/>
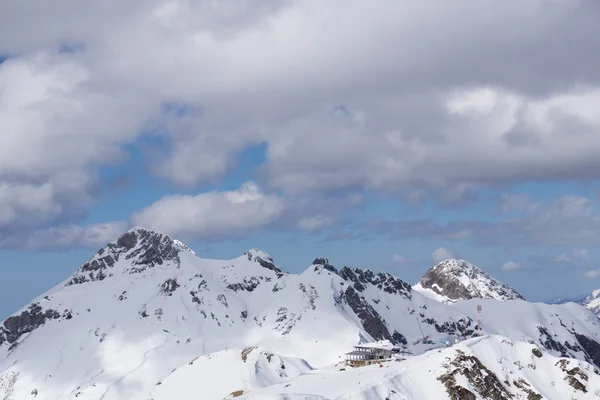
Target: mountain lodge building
<point x="371" y="353"/>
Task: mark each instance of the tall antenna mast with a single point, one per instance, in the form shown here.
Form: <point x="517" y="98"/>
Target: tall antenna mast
<point x="479" y="321"/>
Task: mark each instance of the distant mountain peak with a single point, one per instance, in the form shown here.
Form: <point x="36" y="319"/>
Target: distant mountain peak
<point x="145" y="249"/>
<point x="320" y="262"/>
<point x="262" y="258"/>
<point x="455" y="279"/>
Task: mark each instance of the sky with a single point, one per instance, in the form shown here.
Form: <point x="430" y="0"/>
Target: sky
<point x="386" y="137"/>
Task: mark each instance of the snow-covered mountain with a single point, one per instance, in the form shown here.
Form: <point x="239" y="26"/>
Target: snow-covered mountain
<point x="571" y="299"/>
<point x="590" y="301"/>
<point x="146" y="318"/>
<point x="491" y="367"/>
<point x="452" y="280"/>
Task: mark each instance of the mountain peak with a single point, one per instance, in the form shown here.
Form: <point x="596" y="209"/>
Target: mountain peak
<point x="141" y="247"/>
<point x="455" y="279"/>
<point x="264" y="259"/>
<point x="320" y="262"/>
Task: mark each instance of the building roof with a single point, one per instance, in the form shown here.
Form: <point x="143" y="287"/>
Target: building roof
<point x="380" y="345"/>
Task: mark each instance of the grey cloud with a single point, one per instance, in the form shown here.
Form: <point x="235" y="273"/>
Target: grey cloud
<point x="65" y="237"/>
<point x="442" y="97"/>
<point x="517" y="202"/>
<point x="566" y="222"/>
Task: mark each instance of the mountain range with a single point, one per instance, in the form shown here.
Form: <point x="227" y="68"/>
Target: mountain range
<point x="147" y="318"/>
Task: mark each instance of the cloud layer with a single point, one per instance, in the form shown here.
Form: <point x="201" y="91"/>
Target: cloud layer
<point x="416" y="101"/>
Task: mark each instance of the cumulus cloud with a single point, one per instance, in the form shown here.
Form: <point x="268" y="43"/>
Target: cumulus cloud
<point x="212" y="215"/>
<point x="441" y="254"/>
<point x="398" y="259"/>
<point x="55" y="133"/>
<point x="396" y="112"/>
<point x="593" y="273"/>
<point x="510" y="266"/>
<point x="581" y="253"/>
<point x="562" y="258"/>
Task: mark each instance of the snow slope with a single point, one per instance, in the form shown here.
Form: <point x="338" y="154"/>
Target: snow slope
<point x="490" y="367"/>
<point x="591" y="301"/>
<point x="217" y="375"/>
<point x="144" y="306"/>
<point x="453" y="280"/>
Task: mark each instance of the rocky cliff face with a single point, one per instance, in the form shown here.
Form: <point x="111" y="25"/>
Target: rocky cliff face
<point x="453" y="280"/>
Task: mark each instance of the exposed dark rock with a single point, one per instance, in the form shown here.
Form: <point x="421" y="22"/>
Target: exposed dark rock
<point x="573" y="375"/>
<point x="575" y="383"/>
<point x="370" y="319"/>
<point x="151" y="249"/>
<point x="169" y="286"/>
<point x="483" y="380"/>
<point x="526" y="387"/>
<point x="265" y="261"/>
<point x="444" y="279"/>
<point x="223" y="300"/>
<point x="127" y="241"/>
<point x="549" y="343"/>
<point x="324" y="263"/>
<point x="591" y="347"/>
<point x="383" y="281"/>
<point x="461" y="327"/>
<point x="29" y="320"/>
<point x="203" y="286"/>
<point x="536" y="352"/>
<point x="247" y="284"/>
<point x="399" y="338"/>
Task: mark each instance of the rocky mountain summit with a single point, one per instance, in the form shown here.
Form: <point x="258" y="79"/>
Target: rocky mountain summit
<point x="452" y="280"/>
<point x="145" y="314"/>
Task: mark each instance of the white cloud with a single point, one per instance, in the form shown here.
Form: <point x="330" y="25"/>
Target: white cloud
<point x="441" y="254"/>
<point x="562" y="258"/>
<point x="581" y="253"/>
<point x="510" y="266"/>
<point x="67" y="236"/>
<point x="212" y="215"/>
<point x="572" y="207"/>
<point x="398" y="259"/>
<point x="408" y="118"/>
<point x="593" y="273"/>
<point x="517" y="202"/>
<point x="315" y="223"/>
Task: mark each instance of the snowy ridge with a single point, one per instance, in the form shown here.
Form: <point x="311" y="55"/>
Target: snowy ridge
<point x="592" y="302"/>
<point x="453" y="280"/>
<point x="246" y="369"/>
<point x="129" y="321"/>
<point x="486" y="368"/>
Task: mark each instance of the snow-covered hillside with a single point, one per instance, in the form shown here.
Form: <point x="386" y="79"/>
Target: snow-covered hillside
<point x="217" y="375"/>
<point x="591" y="301"/>
<point x="146" y="314"/>
<point x="492" y="367"/>
<point x="453" y="280"/>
